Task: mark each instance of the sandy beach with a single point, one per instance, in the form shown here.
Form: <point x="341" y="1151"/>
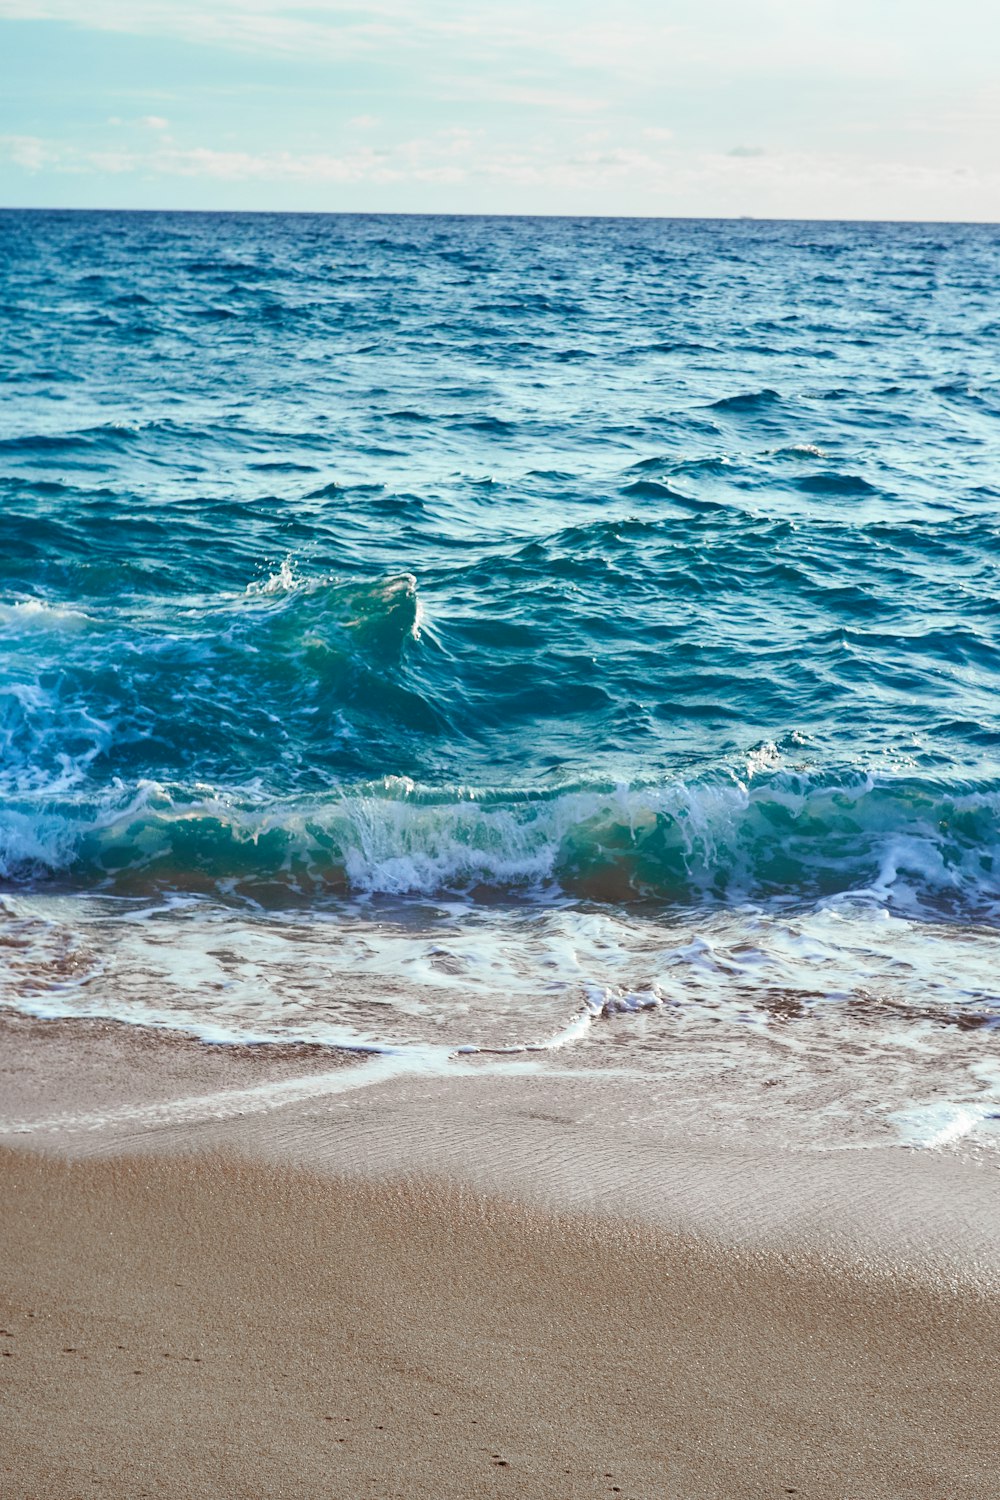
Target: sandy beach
<point x="241" y="1299"/>
<point x="499" y="753"/>
<point x="499" y="780"/>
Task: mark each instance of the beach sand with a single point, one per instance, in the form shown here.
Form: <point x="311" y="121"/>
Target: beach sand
<point x="400" y="1290"/>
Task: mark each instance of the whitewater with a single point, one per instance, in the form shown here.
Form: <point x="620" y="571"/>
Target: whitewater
<point x="459" y="637"/>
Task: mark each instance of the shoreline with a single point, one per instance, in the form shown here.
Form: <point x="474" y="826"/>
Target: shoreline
<point x="557" y="1138"/>
<point x="503" y="1283"/>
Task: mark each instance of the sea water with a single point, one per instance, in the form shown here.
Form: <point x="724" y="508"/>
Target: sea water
<point x="448" y="636"/>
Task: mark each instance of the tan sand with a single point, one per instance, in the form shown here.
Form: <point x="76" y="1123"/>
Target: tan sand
<point x="612" y="1145"/>
<point x="216" y="1328"/>
<point x="230" y="1324"/>
<point x="67" y="1068"/>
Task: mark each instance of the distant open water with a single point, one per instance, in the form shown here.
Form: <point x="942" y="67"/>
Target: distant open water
<point x="439" y="632"/>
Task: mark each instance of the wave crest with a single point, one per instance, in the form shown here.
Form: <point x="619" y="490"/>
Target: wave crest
<point x="721" y="839"/>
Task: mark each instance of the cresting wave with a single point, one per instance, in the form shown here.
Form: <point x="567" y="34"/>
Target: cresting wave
<point x="720" y="838"/>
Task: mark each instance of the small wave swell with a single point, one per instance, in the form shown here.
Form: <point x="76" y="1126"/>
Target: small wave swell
<point x="769" y="834"/>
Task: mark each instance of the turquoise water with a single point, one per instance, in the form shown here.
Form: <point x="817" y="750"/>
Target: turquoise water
<point x="363" y="575"/>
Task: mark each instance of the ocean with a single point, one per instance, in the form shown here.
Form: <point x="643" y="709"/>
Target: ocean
<point x="565" y="643"/>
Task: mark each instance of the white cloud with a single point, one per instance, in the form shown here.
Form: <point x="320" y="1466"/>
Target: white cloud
<point x="28" y="152"/>
<point x="155" y="122"/>
<point x="620" y="177"/>
<point x="772" y="38"/>
<point x="445" y="158"/>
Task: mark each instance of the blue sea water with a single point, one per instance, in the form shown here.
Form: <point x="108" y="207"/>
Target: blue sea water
<point x="435" y="629"/>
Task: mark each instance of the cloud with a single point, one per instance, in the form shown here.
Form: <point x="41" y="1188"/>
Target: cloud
<point x="443" y="158"/>
<point x="460" y="154"/>
<point x="470" y="169"/>
<point x="155" y="122"/>
<point x="28" y="152"/>
<point x="771" y="37"/>
<point x="803" y="70"/>
<point x="261" y="26"/>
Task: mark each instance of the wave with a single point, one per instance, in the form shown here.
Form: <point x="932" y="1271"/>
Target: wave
<point x="834" y="484"/>
<point x="218" y="687"/>
<point x="106" y="438"/>
<point x="747" y="401"/>
<point x="721" y="838"/>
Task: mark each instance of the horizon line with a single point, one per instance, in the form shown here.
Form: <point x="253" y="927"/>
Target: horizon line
<point x="390" y="213"/>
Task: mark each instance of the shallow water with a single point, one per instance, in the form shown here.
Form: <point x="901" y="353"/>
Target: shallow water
<point x="467" y="633"/>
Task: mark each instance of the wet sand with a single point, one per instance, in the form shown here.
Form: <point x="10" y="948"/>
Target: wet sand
<point x="228" y="1300"/>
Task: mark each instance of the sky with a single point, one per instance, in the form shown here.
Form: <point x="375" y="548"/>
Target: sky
<point x="872" y="109"/>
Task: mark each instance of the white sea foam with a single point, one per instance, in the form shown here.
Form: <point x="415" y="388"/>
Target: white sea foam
<point x="897" y="1011"/>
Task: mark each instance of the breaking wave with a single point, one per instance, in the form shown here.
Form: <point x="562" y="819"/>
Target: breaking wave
<point x="716" y="839"/>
